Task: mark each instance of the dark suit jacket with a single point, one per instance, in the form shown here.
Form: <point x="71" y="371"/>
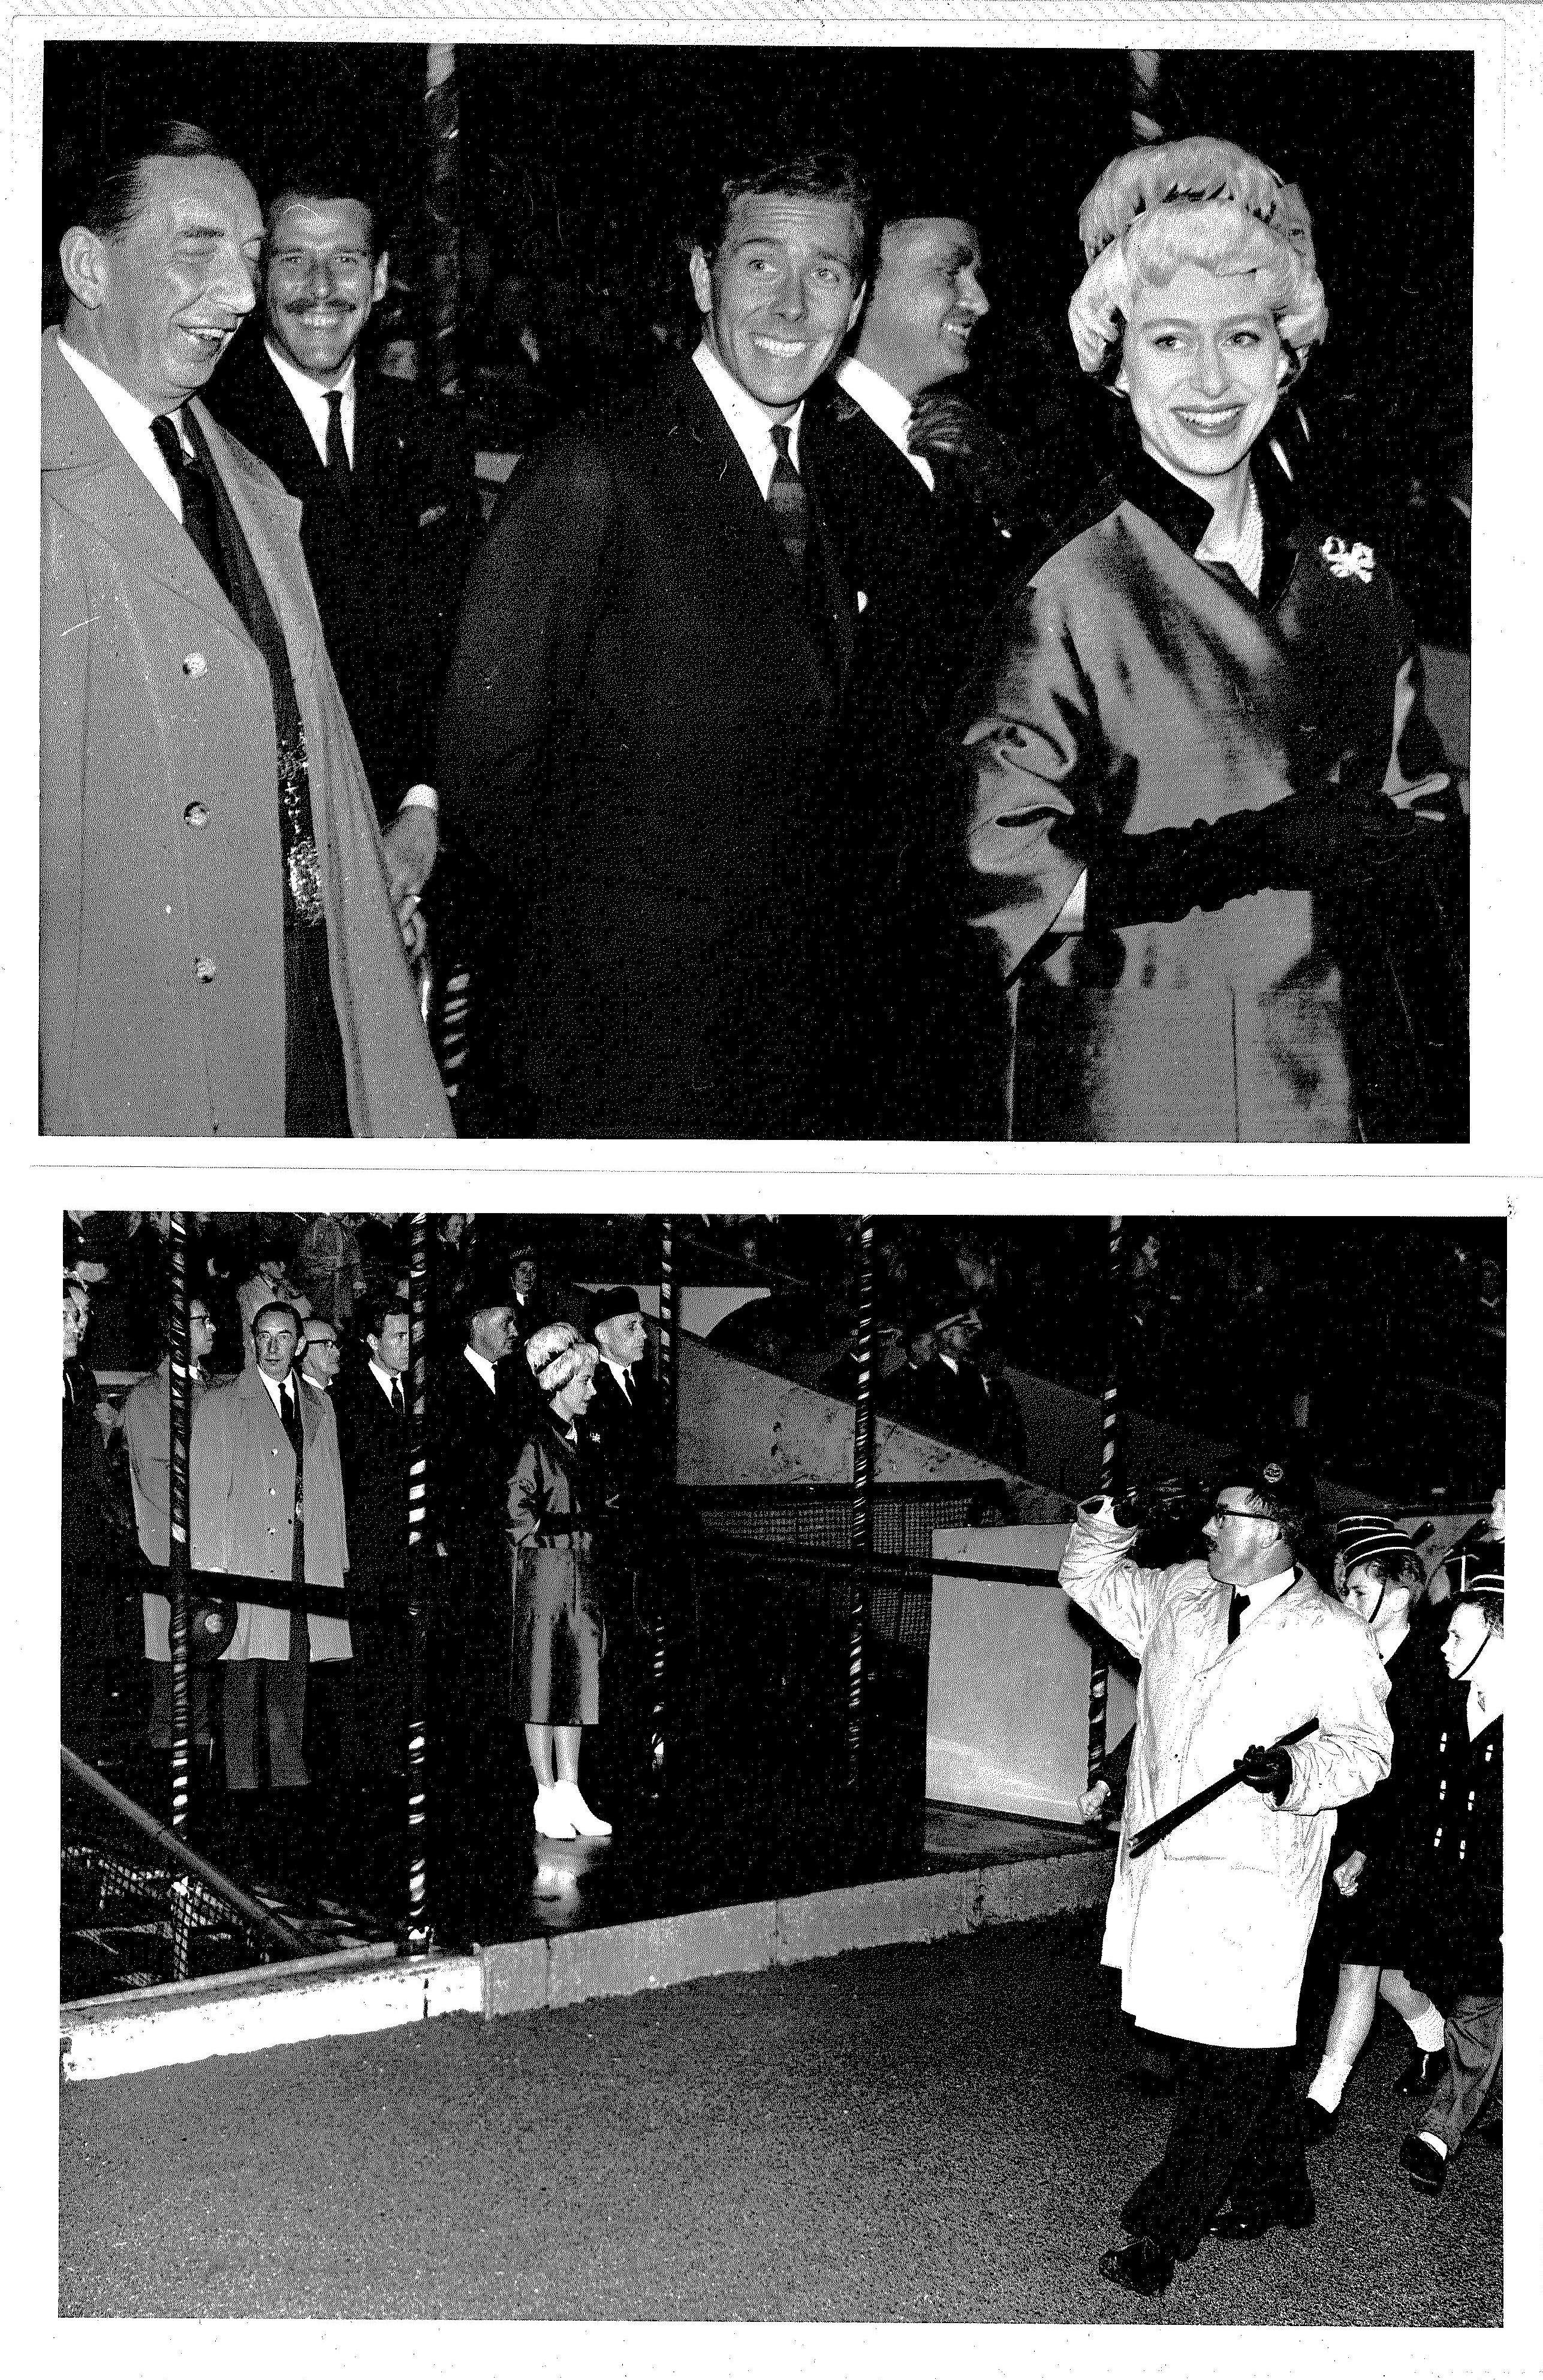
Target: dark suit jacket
<point x="477" y="1437"/>
<point x="387" y="563"/>
<point x="373" y="1443"/>
<point x="627" y="1436"/>
<point x="634" y="731"/>
<point x="930" y="564"/>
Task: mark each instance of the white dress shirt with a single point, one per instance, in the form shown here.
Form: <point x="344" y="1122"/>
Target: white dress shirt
<point x="275" y="1389"/>
<point x="480" y="1363"/>
<point x="623" y="1375"/>
<point x="310" y="395"/>
<point x="388" y="1381"/>
<point x="1261" y="1597"/>
<point x="129" y="422"/>
<point x="749" y="420"/>
<point x="886" y="407"/>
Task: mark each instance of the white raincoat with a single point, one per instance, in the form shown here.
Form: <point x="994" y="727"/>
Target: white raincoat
<point x="1211" y="1928"/>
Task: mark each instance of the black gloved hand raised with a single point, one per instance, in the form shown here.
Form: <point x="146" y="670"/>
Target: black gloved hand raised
<point x="1267" y="1767"/>
<point x="1305" y="842"/>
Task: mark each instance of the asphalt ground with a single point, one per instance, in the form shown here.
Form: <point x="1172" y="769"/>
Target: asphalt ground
<point x="941" y="2133"/>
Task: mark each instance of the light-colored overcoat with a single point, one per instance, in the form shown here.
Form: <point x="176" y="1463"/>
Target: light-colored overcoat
<point x="242" y="1508"/>
<point x="1209" y="1928"/>
<point x="147" y="1429"/>
<point x="161" y="990"/>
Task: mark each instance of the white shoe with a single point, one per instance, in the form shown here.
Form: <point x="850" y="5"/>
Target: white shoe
<point x="581" y="1818"/>
<point x="552" y="1821"/>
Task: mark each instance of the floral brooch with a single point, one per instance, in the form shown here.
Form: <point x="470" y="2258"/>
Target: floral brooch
<point x="1348" y="561"/>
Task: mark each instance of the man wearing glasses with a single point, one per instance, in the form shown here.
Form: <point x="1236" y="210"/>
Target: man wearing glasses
<point x="1210" y="1927"/>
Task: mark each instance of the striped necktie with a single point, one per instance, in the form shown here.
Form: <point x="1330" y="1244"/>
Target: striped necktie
<point x="789" y="501"/>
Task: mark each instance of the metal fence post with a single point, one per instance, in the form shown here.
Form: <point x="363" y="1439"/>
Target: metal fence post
<point x="419" y="1933"/>
<point x="1109" y="1480"/>
<point x="862" y="1505"/>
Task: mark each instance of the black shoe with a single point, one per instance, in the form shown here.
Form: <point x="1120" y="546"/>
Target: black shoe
<point x="1143" y="2268"/>
<point x="1426" y="2167"/>
<point x="1252" y="2222"/>
<point x="1318" y="2121"/>
<point x="1421" y="2075"/>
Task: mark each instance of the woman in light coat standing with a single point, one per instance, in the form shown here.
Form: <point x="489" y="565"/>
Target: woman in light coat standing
<point x="1209" y="1928"/>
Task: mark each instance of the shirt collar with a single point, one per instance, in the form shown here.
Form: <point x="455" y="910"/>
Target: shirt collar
<point x="129" y="420"/>
<point x="623" y="1371"/>
<point x="749" y="421"/>
<point x="480" y="1363"/>
<point x="387" y="1379"/>
<point x="1267" y="1591"/>
<point x="1185" y="517"/>
<point x="886" y="407"/>
<point x="310" y="395"/>
<point x="274" y="1388"/>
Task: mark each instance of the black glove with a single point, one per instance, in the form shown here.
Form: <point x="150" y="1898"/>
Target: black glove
<point x="1266" y="1767"/>
<point x="1305" y="842"/>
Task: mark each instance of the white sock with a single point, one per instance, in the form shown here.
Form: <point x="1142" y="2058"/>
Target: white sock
<point x="1431" y="2141"/>
<point x="1429" y="2031"/>
<point x="1328" y="2084"/>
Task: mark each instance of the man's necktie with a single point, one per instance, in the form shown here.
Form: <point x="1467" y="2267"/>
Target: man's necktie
<point x="339" y="470"/>
<point x="1234" y="1617"/>
<point x="289" y="1410"/>
<point x="789" y="501"/>
<point x="398" y="1403"/>
<point x="626" y="1380"/>
<point x="201" y="515"/>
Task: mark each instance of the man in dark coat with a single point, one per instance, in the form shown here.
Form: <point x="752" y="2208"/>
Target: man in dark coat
<point x="383" y="476"/>
<point x="476" y="1421"/>
<point x="637" y="713"/>
<point x="922" y="497"/>
<point x="371" y="1403"/>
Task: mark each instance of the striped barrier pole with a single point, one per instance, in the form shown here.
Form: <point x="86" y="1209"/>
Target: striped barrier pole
<point x="418" y="1931"/>
<point x="669" y="1464"/>
<point x="179" y="1347"/>
<point x="862" y="1503"/>
<point x="1109" y="1481"/>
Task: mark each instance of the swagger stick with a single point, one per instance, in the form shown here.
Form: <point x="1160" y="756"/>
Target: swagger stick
<point x="1109" y="1480"/>
<point x="1144" y="1836"/>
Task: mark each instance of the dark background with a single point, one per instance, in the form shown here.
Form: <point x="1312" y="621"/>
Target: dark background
<point x="582" y="167"/>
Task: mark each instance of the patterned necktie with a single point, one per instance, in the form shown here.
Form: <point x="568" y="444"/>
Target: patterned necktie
<point x="201" y="515"/>
<point x="339" y="470"/>
<point x="789" y="501"/>
<point x="1234" y="1617"/>
<point x="398" y="1405"/>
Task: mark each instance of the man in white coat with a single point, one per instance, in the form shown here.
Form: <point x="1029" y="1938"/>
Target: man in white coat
<point x="1211" y="1927"/>
<point x="265" y="1496"/>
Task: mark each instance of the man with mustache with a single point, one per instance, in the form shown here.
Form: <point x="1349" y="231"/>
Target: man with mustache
<point x="383" y="477"/>
<point x="219" y="952"/>
<point x="637" y="713"/>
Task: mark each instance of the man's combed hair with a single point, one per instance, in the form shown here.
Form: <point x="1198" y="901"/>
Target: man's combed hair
<point x="325" y="179"/>
<point x="1490" y="1606"/>
<point x="1395" y="1570"/>
<point x="373" y="1312"/>
<point x="109" y="191"/>
<point x="829" y="173"/>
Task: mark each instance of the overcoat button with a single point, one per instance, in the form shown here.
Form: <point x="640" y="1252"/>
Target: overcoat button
<point x="193" y="666"/>
<point x="195" y="815"/>
<point x="204" y="969"/>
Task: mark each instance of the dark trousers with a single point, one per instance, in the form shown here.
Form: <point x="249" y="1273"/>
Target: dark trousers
<point x="315" y="1087"/>
<point x="283" y="1685"/>
<point x="1237" y="2133"/>
<point x="1474" y="2034"/>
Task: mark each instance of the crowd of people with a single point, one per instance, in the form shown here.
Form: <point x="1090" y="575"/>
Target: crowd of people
<point x="543" y="1453"/>
<point x="771" y="764"/>
<point x="1361" y="1723"/>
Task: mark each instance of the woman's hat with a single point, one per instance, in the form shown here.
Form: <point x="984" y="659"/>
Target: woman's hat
<point x="557" y="1355"/>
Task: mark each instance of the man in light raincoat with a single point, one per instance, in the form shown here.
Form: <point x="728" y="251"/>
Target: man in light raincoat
<point x="1211" y="1927"/>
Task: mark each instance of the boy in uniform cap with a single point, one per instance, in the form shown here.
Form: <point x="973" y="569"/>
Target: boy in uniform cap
<point x="1210" y="1927"/>
<point x="1380" y="1873"/>
<point x="1462" y="1957"/>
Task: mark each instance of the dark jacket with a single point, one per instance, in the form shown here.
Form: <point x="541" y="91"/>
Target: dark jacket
<point x="1125" y="690"/>
<point x="372" y="1445"/>
<point x="386" y="563"/>
<point x="927" y="567"/>
<point x="1462" y="1845"/>
<point x="634" y="725"/>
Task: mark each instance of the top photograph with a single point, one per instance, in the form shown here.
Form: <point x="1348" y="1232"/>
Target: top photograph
<point x="755" y="594"/>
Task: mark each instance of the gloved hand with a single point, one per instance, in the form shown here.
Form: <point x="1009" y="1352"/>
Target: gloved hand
<point x="1267" y="1767"/>
<point x="1305" y="842"/>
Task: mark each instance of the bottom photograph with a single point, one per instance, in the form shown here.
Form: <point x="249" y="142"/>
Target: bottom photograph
<point x="799" y="1768"/>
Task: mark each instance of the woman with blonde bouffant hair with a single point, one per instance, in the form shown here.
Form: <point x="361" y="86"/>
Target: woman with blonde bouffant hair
<point x="559" y="1630"/>
<point x="1208" y="821"/>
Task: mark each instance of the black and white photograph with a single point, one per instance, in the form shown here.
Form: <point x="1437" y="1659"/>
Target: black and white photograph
<point x="755" y="593"/>
<point x="813" y="1768"/>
